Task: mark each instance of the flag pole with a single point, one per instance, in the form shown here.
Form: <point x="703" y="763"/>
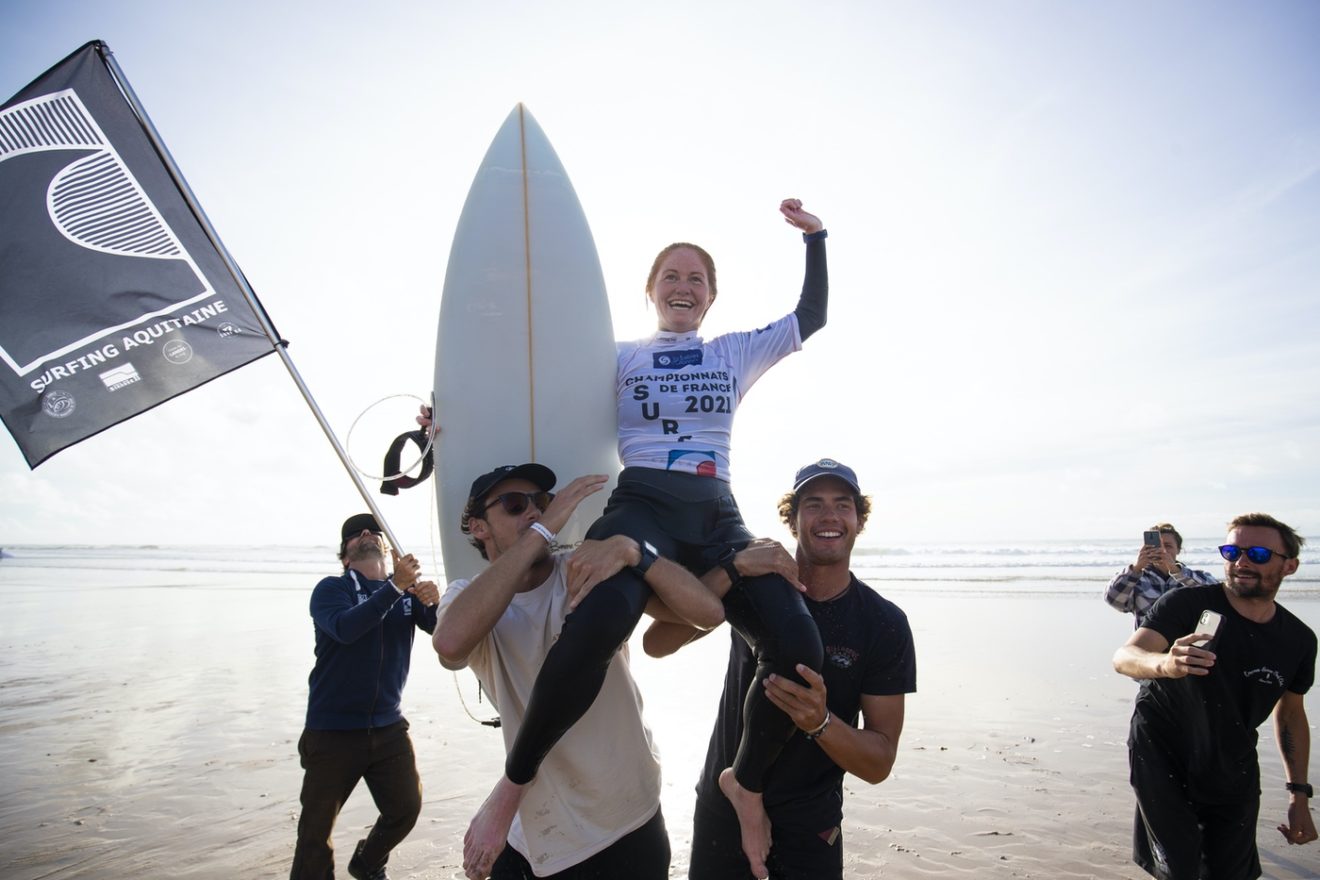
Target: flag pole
<point x="281" y="345"/>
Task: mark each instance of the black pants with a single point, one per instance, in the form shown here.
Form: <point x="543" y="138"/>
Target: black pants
<point x="638" y="855"/>
<point x="1174" y="838"/>
<point x="334" y="761"/>
<point x="690" y="520"/>
<point x="795" y="853"/>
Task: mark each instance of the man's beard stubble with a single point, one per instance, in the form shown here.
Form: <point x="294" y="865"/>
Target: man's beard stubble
<point x="1254" y="588"/>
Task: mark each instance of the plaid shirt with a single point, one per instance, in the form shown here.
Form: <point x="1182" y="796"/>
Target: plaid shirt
<point x="1136" y="592"/>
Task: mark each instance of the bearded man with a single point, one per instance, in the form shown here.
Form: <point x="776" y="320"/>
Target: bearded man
<point x="1214" y="662"/>
<point x="364" y="621"/>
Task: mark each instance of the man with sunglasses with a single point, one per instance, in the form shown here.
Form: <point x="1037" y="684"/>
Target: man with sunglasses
<point x="1192" y="741"/>
<point x="1156" y="572"/>
<point x="593" y="809"/>
<point x="364" y="623"/>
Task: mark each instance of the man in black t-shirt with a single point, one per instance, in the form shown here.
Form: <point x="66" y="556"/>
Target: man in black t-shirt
<point x="870" y="664"/>
<point x="1192" y="742"/>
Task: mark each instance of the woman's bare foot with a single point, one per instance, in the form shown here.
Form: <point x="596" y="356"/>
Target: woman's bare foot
<point x="489" y="830"/>
<point x="752" y="819"/>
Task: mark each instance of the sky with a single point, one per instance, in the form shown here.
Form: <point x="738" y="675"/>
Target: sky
<point x="1074" y="247"/>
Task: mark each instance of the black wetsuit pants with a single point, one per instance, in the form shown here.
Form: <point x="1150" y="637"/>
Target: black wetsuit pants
<point x="690" y="520"/>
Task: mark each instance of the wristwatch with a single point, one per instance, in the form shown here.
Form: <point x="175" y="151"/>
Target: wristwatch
<point x="1299" y="788"/>
<point x="649" y="556"/>
<point x="726" y="562"/>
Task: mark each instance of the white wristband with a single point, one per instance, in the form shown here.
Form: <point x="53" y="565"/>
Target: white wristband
<point x="543" y="532"/>
<point x="815" y="734"/>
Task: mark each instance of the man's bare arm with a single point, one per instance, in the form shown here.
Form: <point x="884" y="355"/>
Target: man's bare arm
<point x="1293" y="733"/>
<point x="683" y="598"/>
<point x="868" y="752"/>
<point x="464" y="622"/>
<point x="1147" y="654"/>
<point x="666" y="635"/>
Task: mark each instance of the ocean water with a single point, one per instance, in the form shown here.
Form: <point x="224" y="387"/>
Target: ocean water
<point x="1028" y="567"/>
<point x="1062" y="567"/>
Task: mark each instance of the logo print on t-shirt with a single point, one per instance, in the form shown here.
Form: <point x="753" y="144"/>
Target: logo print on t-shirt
<point x="672" y="360"/>
<point x="841" y="657"/>
<point x="1265" y="675"/>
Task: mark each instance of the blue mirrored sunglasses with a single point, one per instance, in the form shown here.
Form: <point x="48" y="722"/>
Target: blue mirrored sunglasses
<point x="1258" y="555"/>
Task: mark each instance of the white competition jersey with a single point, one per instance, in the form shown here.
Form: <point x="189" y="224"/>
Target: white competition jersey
<point x="677" y="394"/>
<point x="601" y="781"/>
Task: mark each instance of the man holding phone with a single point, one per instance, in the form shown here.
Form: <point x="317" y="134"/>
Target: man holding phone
<point x="1156" y="572"/>
<point x="1192" y="741"/>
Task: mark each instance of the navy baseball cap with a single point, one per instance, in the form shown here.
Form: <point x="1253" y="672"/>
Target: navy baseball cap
<point x="538" y="475"/>
<point x="355" y="525"/>
<point x="826" y="467"/>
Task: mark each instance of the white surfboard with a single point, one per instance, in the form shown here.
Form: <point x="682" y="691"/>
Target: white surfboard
<point x="525" y="356"/>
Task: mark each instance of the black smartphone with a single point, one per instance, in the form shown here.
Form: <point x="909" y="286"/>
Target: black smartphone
<point x="1150" y="539"/>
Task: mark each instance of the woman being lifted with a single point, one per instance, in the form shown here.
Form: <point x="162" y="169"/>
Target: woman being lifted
<point x="677" y="394"/>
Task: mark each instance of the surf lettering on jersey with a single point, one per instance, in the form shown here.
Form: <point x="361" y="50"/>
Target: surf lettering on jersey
<point x="684" y="394"/>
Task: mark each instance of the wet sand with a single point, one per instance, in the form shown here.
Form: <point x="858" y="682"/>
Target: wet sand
<point x="151" y="730"/>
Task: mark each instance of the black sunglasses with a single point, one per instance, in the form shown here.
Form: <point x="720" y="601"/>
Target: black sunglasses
<point x="515" y="503"/>
<point x="1258" y="555"/>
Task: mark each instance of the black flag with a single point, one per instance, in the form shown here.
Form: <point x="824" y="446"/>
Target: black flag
<point x="113" y="298"/>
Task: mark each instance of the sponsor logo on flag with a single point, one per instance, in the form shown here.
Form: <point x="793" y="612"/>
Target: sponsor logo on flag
<point x="120" y="377"/>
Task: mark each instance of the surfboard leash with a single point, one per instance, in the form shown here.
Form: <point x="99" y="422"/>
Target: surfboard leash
<point x="432" y="530"/>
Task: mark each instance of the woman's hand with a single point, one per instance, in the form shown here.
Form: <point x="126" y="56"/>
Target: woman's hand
<point x="795" y="216"/>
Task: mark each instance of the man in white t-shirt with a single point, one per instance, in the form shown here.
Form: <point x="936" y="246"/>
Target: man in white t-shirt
<point x="593" y="809"/>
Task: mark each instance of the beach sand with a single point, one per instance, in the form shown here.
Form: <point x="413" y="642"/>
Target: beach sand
<point x="151" y="731"/>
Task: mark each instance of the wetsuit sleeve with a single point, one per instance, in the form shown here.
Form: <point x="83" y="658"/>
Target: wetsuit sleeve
<point x="814" y="302"/>
<point x="336" y="613"/>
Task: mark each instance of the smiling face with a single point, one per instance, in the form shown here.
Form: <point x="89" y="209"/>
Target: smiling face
<point x="1249" y="580"/>
<point x="365" y="545"/>
<point x="826" y="524"/>
<point x="682" y="287"/>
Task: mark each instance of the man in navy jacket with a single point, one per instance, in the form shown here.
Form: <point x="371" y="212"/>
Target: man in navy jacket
<point x="365" y="620"/>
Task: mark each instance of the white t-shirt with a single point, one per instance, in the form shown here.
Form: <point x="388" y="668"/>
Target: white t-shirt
<point x="677" y="394"/>
<point x="601" y="781"/>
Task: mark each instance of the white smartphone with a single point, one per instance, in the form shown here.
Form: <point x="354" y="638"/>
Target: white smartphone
<point x="1208" y="626"/>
